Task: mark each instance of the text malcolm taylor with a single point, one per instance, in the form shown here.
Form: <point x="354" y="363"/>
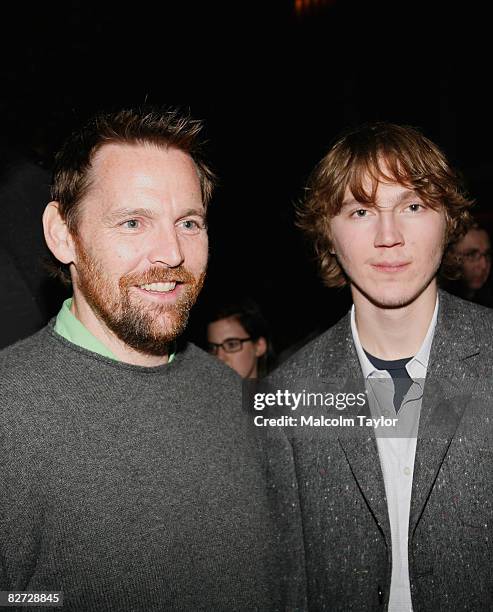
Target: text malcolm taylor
<point x="339" y="401"/>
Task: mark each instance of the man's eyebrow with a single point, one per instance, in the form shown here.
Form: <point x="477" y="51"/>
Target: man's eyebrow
<point x="120" y="213"/>
<point x="408" y="195"/>
<point x="190" y="212"/>
<point x="353" y="202"/>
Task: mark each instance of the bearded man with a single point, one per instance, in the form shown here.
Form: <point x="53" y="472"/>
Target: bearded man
<point x="131" y="479"/>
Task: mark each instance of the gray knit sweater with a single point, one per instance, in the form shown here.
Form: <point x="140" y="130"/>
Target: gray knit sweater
<point x="133" y="488"/>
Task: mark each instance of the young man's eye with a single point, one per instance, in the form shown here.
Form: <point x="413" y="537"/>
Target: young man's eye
<point x="360" y="213"/>
<point x="415" y="207"/>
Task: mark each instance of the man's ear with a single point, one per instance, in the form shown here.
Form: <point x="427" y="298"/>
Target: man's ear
<point x="260" y="346"/>
<point x="57" y="234"/>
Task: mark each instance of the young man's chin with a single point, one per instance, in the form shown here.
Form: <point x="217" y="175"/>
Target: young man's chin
<point x="394" y="303"/>
<point x="391" y="299"/>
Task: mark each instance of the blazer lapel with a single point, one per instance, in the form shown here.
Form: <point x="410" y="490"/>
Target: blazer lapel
<point x="362" y="455"/>
<point x="358" y="443"/>
<point x="445" y="397"/>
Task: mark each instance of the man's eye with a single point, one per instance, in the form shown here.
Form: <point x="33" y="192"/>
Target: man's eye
<point x="360" y="213"/>
<point x="191" y="225"/>
<point x="415" y="207"/>
<point x="131" y="224"/>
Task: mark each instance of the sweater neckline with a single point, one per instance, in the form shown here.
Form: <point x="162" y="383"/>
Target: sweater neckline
<point x="171" y="366"/>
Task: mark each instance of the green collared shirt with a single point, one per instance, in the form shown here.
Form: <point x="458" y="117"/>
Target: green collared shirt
<point x="70" y="328"/>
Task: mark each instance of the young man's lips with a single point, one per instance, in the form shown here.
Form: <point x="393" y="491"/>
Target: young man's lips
<point x="387" y="266"/>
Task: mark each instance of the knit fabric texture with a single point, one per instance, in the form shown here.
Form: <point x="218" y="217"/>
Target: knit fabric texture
<point x="135" y="488"/>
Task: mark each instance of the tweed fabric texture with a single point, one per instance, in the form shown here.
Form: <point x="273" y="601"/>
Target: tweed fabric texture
<point x="342" y="494"/>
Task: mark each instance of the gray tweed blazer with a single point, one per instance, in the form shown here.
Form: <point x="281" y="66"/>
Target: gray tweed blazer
<point x="342" y="495"/>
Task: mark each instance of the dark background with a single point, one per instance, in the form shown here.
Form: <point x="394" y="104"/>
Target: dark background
<point x="275" y="82"/>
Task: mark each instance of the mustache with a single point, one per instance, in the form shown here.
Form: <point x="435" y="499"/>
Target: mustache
<point x="179" y="274"/>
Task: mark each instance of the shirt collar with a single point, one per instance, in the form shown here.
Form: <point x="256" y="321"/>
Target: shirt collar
<point x="416" y="367"/>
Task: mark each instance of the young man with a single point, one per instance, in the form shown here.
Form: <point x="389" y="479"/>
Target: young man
<point x="396" y="522"/>
<point x="130" y="477"/>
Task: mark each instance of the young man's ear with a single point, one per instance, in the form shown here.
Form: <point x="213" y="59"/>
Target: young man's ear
<point x="260" y="346"/>
<point x="57" y="234"/>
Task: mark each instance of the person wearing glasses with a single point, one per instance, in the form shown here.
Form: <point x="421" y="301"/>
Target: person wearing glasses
<point x="474" y="254"/>
<point x="238" y="335"/>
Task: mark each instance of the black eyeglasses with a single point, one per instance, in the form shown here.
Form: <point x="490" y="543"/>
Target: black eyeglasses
<point x="230" y="345"/>
<point x="476" y="255"/>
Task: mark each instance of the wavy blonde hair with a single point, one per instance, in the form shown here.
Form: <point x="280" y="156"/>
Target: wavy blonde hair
<point x="380" y="152"/>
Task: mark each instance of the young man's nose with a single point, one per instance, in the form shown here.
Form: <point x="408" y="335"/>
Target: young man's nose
<point x="388" y="233"/>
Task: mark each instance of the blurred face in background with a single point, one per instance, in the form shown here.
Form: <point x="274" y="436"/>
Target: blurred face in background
<point x="475" y="251"/>
<point x="237" y="350"/>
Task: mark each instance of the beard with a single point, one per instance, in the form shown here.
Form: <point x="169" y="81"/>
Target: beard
<point x="147" y="328"/>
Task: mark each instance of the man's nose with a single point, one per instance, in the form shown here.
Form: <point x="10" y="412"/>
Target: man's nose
<point x="165" y="248"/>
<point x="388" y="233"/>
<point x="221" y="354"/>
<point x="483" y="264"/>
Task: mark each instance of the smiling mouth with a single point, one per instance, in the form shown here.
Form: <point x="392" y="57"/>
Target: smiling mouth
<point x="159" y="287"/>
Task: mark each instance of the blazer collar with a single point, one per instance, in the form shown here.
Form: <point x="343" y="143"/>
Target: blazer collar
<point x="454" y="340"/>
<point x="340" y="359"/>
<point x="446" y="397"/>
<point x="455" y="337"/>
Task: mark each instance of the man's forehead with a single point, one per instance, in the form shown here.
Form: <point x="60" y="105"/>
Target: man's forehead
<point x="119" y="165"/>
<point x="476" y="238"/>
<point x="141" y="176"/>
<point x="372" y="188"/>
<point x="113" y="155"/>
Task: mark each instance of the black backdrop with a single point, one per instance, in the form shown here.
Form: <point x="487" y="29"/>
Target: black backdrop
<point x="274" y="84"/>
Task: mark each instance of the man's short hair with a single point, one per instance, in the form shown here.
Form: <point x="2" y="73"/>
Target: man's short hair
<point x="380" y="152"/>
<point x="162" y="127"/>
